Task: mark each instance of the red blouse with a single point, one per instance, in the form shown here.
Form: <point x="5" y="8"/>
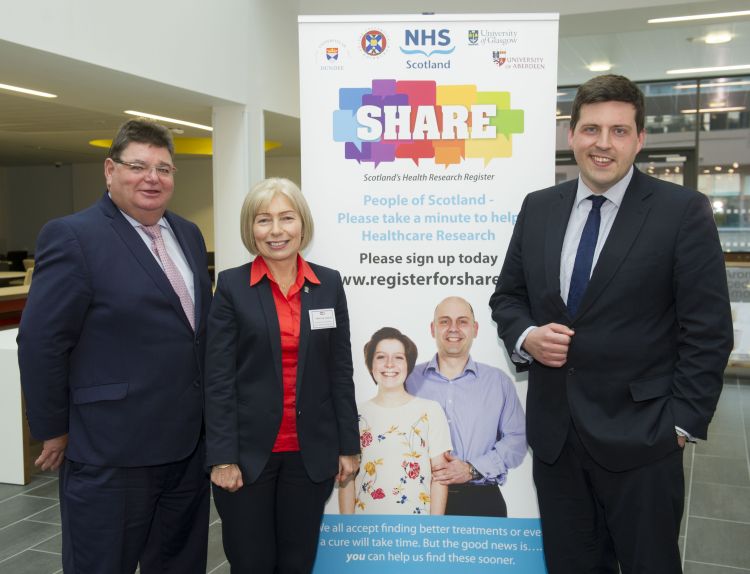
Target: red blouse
<point x="288" y="310"/>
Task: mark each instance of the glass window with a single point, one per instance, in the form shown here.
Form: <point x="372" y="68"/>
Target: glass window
<point x="724" y="157"/>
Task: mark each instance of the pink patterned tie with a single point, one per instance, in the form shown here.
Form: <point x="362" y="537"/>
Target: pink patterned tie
<point x="171" y="271"/>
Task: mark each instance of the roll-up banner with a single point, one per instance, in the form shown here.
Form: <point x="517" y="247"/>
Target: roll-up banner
<point x="420" y="137"/>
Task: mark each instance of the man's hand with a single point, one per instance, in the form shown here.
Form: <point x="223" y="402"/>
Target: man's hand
<point x="53" y="453"/>
<point x="681" y="441"/>
<point x="348" y="466"/>
<point x="549" y="344"/>
<point x="227" y="477"/>
<point x="453" y="471"/>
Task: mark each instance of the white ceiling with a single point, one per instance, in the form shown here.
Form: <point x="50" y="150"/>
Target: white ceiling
<point x="36" y="131"/>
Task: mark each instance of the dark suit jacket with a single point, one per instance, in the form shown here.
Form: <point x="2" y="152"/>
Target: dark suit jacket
<point x="105" y="350"/>
<point x="652" y="333"/>
<point x="244" y="390"/>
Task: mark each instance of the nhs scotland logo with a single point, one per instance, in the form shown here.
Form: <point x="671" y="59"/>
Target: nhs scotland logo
<point x="427" y="42"/>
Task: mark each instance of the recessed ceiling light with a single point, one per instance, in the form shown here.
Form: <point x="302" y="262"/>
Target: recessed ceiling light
<point x="735" y="165"/>
<point x="699" y="17"/>
<point x="717" y="168"/>
<point x="26" y="91"/>
<point x="599" y="67"/>
<point x="730" y="170"/>
<point x="717" y="104"/>
<point x="170" y="120"/>
<point x="706" y="171"/>
<point x="718" y="38"/>
<point x="559" y="118"/>
<point x="711" y="69"/>
<point x="708" y="110"/>
<point x="712" y="85"/>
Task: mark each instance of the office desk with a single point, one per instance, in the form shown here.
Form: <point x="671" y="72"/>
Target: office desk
<point x="12" y="302"/>
<point x="8" y="276"/>
<point x="14" y="438"/>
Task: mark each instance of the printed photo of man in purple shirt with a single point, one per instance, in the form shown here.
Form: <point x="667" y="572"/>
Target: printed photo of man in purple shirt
<point x="486" y="419"/>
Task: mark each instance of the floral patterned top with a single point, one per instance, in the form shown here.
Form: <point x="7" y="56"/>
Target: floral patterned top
<point x="397" y="445"/>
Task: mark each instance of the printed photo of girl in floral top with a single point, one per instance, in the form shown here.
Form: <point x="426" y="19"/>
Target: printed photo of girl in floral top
<point x="401" y="437"/>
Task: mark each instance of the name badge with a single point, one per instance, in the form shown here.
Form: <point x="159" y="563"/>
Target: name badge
<point x="322" y="319"/>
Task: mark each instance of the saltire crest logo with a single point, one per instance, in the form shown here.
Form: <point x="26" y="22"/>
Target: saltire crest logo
<point x="416" y="120"/>
<point x="373" y="42"/>
<point x="499" y="57"/>
<point x="332" y="53"/>
<point x="473" y="37"/>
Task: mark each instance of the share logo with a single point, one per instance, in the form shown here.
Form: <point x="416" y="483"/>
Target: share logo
<point x="397" y="120"/>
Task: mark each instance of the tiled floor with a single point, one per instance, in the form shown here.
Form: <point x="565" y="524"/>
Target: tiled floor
<point x="716" y="525"/>
<point x="30" y="530"/>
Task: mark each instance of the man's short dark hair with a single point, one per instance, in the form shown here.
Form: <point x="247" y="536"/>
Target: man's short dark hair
<point x="384" y="333"/>
<point x="141" y="131"/>
<point x="609" y="88"/>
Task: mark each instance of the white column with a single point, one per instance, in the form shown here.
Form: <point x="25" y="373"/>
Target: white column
<point x="238" y="162"/>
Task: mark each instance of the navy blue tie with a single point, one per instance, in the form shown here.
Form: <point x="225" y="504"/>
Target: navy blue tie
<point x="579" y="279"/>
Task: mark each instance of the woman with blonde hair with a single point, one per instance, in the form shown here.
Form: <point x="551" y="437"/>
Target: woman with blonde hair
<point x="281" y="420"/>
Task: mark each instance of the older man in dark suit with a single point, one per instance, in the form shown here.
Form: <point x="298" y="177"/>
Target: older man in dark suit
<point x="111" y="350"/>
<point x="613" y="295"/>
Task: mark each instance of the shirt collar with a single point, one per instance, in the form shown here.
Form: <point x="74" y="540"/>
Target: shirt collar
<point x="135" y="223"/>
<point x="433" y="365"/>
<point x="259" y="269"/>
<point x="613" y="194"/>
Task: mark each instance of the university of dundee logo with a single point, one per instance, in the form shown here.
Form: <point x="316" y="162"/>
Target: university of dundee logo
<point x="332" y="53"/>
<point x="374" y="43"/>
<point x="499" y="57"/>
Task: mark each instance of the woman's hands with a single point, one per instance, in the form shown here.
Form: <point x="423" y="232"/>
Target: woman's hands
<point x="348" y="467"/>
<point x="228" y="477"/>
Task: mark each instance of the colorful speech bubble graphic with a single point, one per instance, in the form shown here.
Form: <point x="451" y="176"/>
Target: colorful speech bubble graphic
<point x="446" y="123"/>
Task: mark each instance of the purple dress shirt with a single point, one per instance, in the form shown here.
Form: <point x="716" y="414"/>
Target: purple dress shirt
<point x="486" y="420"/>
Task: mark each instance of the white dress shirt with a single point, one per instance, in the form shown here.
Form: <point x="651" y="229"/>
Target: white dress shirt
<point x="173" y="248"/>
<point x="576" y="222"/>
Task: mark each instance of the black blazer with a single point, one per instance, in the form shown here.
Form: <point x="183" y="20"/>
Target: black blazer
<point x="244" y="390"/>
<point x="105" y="349"/>
<point x="652" y="334"/>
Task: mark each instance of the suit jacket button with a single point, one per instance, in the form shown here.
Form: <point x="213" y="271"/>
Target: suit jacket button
<point x="571" y="371"/>
<point x="299" y="413"/>
<point x="196" y="384"/>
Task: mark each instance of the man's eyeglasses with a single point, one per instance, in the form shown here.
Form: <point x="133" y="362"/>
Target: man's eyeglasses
<point x="162" y="170"/>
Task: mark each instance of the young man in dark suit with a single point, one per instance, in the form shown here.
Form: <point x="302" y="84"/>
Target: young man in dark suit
<point x="613" y="295"/>
<point x="111" y="351"/>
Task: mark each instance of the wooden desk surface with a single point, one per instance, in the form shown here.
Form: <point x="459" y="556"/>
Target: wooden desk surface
<point x="16" y="292"/>
<point x="12" y="274"/>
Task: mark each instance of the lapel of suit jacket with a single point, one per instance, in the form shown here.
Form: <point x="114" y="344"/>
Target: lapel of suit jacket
<point x="307" y="297"/>
<point x="190" y="258"/>
<point x="263" y="288"/>
<point x="142" y="254"/>
<point x="557" y="223"/>
<point x="626" y="227"/>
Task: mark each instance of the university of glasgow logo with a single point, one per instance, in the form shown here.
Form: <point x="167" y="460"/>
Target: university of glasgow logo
<point x="498" y="56"/>
<point x="332" y="53"/>
<point x="373" y="43"/>
<point x="473" y="37"/>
